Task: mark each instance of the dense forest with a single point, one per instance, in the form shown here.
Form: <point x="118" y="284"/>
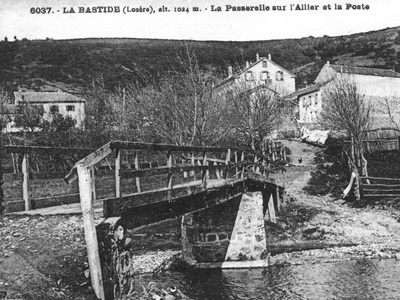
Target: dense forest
<point x="75" y="65"/>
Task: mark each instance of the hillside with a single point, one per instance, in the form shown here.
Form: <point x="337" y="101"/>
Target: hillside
<point x="74" y="65"/>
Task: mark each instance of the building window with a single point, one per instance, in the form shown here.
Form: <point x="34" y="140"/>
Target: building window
<point x="54" y="109"/>
<point x="279" y="76"/>
<point x="70" y="108"/>
<point x="264" y="64"/>
<point x="249" y="75"/>
<point x="264" y="75"/>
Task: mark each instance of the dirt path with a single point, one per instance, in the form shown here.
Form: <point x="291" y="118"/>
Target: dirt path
<point x="375" y="232"/>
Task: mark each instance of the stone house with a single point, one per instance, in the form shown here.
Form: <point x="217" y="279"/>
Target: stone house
<point x="263" y="72"/>
<point x="378" y="86"/>
<point x="64" y="103"/>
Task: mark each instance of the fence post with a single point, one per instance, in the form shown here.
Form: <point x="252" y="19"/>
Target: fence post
<point x="236" y="161"/>
<point x="204" y="172"/>
<point x="25" y="182"/>
<point x="193" y="172"/>
<point x="85" y="193"/>
<point x="242" y="160"/>
<point x="284" y="200"/>
<point x="170" y="175"/>
<point x="357" y="183"/>
<point x="255" y="161"/>
<point x="278" y="200"/>
<point x="264" y="170"/>
<point x="93" y="183"/>
<point x="117" y="173"/>
<point x="227" y="162"/>
<point x="138" y="187"/>
<point x="284" y="153"/>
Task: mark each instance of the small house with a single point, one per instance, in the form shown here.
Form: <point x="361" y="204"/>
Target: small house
<point x="61" y="102"/>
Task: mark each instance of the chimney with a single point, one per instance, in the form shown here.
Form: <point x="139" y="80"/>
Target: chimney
<point x="257" y="57"/>
<point x="230" y="73"/>
<point x="247" y="64"/>
<point x="269" y="56"/>
<point x="328" y="64"/>
<point x="341" y="69"/>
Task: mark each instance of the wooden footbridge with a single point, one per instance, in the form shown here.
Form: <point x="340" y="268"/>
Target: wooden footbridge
<point x="154" y="182"/>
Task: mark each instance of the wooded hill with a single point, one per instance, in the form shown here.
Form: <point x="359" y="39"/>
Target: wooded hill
<point x="74" y="65"/>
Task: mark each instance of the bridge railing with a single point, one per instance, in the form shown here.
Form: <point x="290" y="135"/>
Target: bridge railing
<point x="175" y="171"/>
<point x="144" y="168"/>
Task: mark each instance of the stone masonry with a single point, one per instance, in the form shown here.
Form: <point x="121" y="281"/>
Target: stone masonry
<point x="248" y="239"/>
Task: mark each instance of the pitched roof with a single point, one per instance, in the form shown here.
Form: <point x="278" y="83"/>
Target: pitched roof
<point x="365" y="71"/>
<point x="238" y="73"/>
<point x="307" y="90"/>
<point x="46" y="97"/>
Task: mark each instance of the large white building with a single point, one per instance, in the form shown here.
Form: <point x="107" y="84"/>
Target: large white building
<point x="377" y="85"/>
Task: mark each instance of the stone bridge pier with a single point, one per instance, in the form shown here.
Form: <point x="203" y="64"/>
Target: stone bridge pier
<point x="233" y="234"/>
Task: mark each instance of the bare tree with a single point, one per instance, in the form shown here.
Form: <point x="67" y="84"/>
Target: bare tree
<point x="257" y="112"/>
<point x="346" y="108"/>
<point x="391" y="109"/>
<point x="181" y="109"/>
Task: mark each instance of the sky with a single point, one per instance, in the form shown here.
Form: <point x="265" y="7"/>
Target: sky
<point x="40" y="19"/>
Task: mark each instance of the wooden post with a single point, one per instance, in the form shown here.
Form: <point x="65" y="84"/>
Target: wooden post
<point x="25" y="182"/>
<point x="227" y="162"/>
<point x="217" y="171"/>
<point x="193" y="173"/>
<point x="242" y="160"/>
<point x="284" y="153"/>
<point x="93" y="183"/>
<point x="278" y="200"/>
<point x="204" y="173"/>
<point x="117" y="174"/>
<point x="398" y="141"/>
<point x="137" y="167"/>
<point x="284" y="200"/>
<point x="170" y="175"/>
<point x="85" y="193"/>
<point x="236" y="161"/>
<point x="264" y="171"/>
<point x="357" y="193"/>
<point x="255" y="161"/>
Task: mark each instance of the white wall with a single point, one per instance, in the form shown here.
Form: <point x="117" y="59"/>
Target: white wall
<point x="285" y="86"/>
<point x="310" y="106"/>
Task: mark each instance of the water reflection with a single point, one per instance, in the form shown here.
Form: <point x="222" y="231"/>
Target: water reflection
<point x="363" y="279"/>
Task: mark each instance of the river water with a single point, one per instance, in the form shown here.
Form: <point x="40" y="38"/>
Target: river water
<point x="361" y="279"/>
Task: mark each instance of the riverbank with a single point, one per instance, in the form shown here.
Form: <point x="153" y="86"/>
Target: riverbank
<point x="44" y="257"/>
<point x="374" y="233"/>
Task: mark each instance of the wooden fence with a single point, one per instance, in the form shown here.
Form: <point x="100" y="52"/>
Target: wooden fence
<point x="28" y="187"/>
<point x="382" y="139"/>
<point x="377" y="187"/>
<point x="274" y="150"/>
